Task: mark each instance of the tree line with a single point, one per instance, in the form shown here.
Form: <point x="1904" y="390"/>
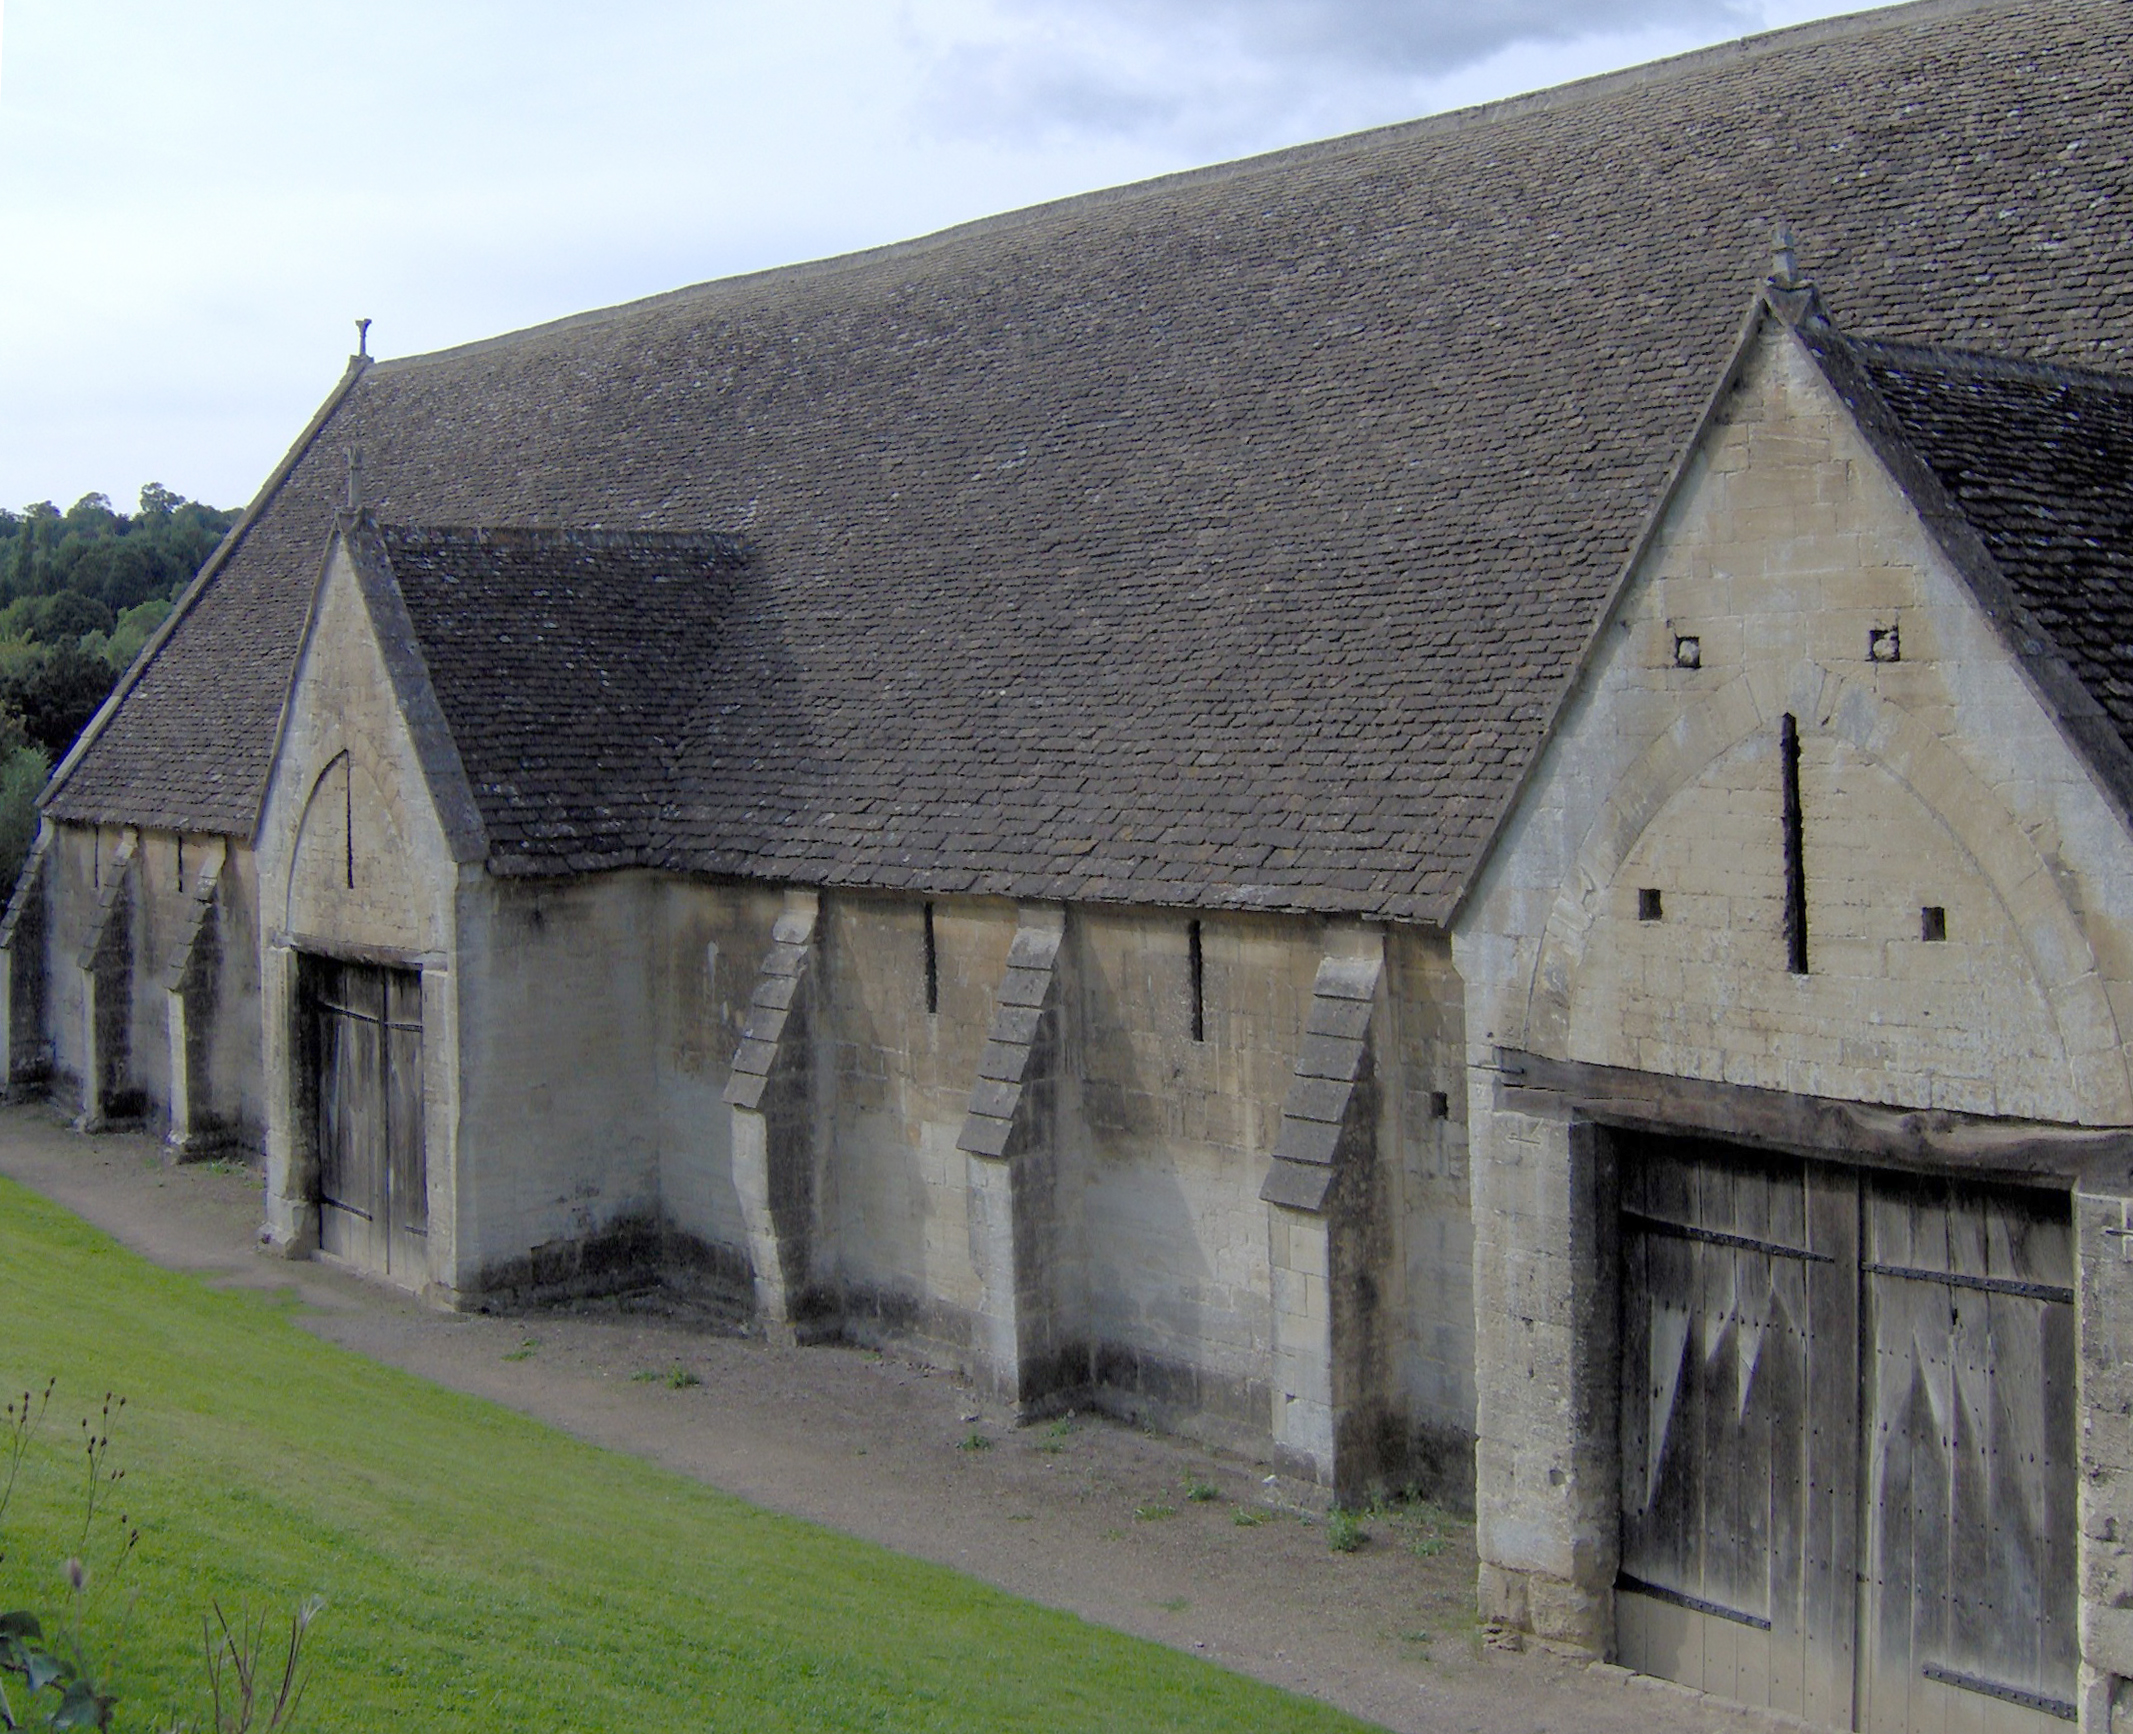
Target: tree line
<point x="81" y="591"/>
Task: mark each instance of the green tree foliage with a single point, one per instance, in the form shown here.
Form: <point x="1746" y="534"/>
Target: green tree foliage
<point x="115" y="558"/>
<point x="81" y="593"/>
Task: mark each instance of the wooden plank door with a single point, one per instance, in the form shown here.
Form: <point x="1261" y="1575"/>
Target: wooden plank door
<point x="365" y="1048"/>
<point x="1848" y="1481"/>
<point x="1738" y="1531"/>
<point x="347" y="1009"/>
<point x="1968" y="1621"/>
<point x="407" y="1170"/>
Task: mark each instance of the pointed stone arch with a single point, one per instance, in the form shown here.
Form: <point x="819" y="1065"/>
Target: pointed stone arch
<point x="2050" y="931"/>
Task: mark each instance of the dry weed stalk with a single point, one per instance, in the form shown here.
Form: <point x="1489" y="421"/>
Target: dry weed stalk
<point x="233" y="1657"/>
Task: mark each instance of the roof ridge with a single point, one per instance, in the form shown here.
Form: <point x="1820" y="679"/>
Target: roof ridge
<point x="595" y="536"/>
<point x="1982" y="363"/>
<point x="1575" y="93"/>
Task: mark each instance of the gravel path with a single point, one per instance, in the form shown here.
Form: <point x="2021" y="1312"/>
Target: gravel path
<point x="1142" y="1533"/>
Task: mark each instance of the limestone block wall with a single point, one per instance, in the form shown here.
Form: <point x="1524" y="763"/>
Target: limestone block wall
<point x="1178" y="1135"/>
<point x="1128" y="1207"/>
<point x="895" y="1234"/>
<point x="158" y="896"/>
<point x="1423" y="1103"/>
<point x="1632" y="916"/>
<point x="559" y="1184"/>
<point x="76" y="880"/>
<point x="235" y="1096"/>
<point x="711" y="939"/>
<point x="162" y="871"/>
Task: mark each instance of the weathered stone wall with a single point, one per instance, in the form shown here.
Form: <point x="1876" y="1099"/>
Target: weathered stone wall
<point x="559" y="1122"/>
<point x="236" y="1095"/>
<point x="158" y="874"/>
<point x="894" y="1241"/>
<point x="158" y="896"/>
<point x="77" y="856"/>
<point x="1178" y="1134"/>
<point x="1423" y="1102"/>
<point x="711" y="940"/>
<point x="1934" y="780"/>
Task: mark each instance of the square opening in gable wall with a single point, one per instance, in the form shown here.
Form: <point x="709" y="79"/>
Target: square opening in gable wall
<point x="1650" y="906"/>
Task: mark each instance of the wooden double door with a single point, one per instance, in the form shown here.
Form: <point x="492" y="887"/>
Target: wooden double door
<point x="1847" y="1430"/>
<point x="364" y="1059"/>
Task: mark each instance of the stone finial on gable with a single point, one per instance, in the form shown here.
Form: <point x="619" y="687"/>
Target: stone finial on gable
<point x="1790" y="294"/>
<point x="1784" y="263"/>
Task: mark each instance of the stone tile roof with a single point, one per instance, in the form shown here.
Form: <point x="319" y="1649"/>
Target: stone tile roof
<point x="1225" y="540"/>
<point x="2039" y="461"/>
<point x="565" y="663"/>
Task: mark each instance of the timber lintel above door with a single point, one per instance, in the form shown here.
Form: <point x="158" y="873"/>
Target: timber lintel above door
<point x="2029" y="1152"/>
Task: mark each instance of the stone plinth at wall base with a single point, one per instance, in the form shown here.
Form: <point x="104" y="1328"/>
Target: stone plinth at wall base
<point x="301" y="1243"/>
<point x="291" y="1227"/>
<point x="1565" y="1616"/>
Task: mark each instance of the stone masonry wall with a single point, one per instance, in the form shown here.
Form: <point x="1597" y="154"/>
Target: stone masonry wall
<point x="160" y="903"/>
<point x="1178" y="1136"/>
<point x="77" y="856"/>
<point x="559" y="1187"/>
<point x="895" y="1235"/>
<point x="1424" y="1108"/>
<point x="703" y="968"/>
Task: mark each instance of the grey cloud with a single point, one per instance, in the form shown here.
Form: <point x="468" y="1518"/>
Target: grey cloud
<point x="1429" y="37"/>
<point x="1228" y="72"/>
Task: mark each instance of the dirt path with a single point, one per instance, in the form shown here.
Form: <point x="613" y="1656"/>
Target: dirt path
<point x="1145" y="1534"/>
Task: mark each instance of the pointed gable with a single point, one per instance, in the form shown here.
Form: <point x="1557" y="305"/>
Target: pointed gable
<point x="1810" y="816"/>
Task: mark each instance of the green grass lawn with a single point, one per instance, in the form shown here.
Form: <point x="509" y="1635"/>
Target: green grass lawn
<point x="482" y="1571"/>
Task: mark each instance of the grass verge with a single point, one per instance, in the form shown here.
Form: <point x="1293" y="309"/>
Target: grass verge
<point x="482" y="1571"/>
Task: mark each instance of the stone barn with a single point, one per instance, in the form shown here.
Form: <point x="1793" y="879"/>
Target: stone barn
<point x="1400" y="805"/>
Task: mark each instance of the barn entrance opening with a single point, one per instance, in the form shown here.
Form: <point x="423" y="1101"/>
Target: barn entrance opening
<point x="1847" y="1439"/>
<point x="363" y="1054"/>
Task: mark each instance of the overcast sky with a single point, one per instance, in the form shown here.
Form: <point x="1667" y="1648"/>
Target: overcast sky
<point x="196" y="199"/>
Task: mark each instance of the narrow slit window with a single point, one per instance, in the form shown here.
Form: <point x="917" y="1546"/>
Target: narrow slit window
<point x="348" y="810"/>
<point x="1933" y="923"/>
<point x="933" y="966"/>
<point x="1198" y="958"/>
<point x="1795" y="848"/>
<point x="1650" y="907"/>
